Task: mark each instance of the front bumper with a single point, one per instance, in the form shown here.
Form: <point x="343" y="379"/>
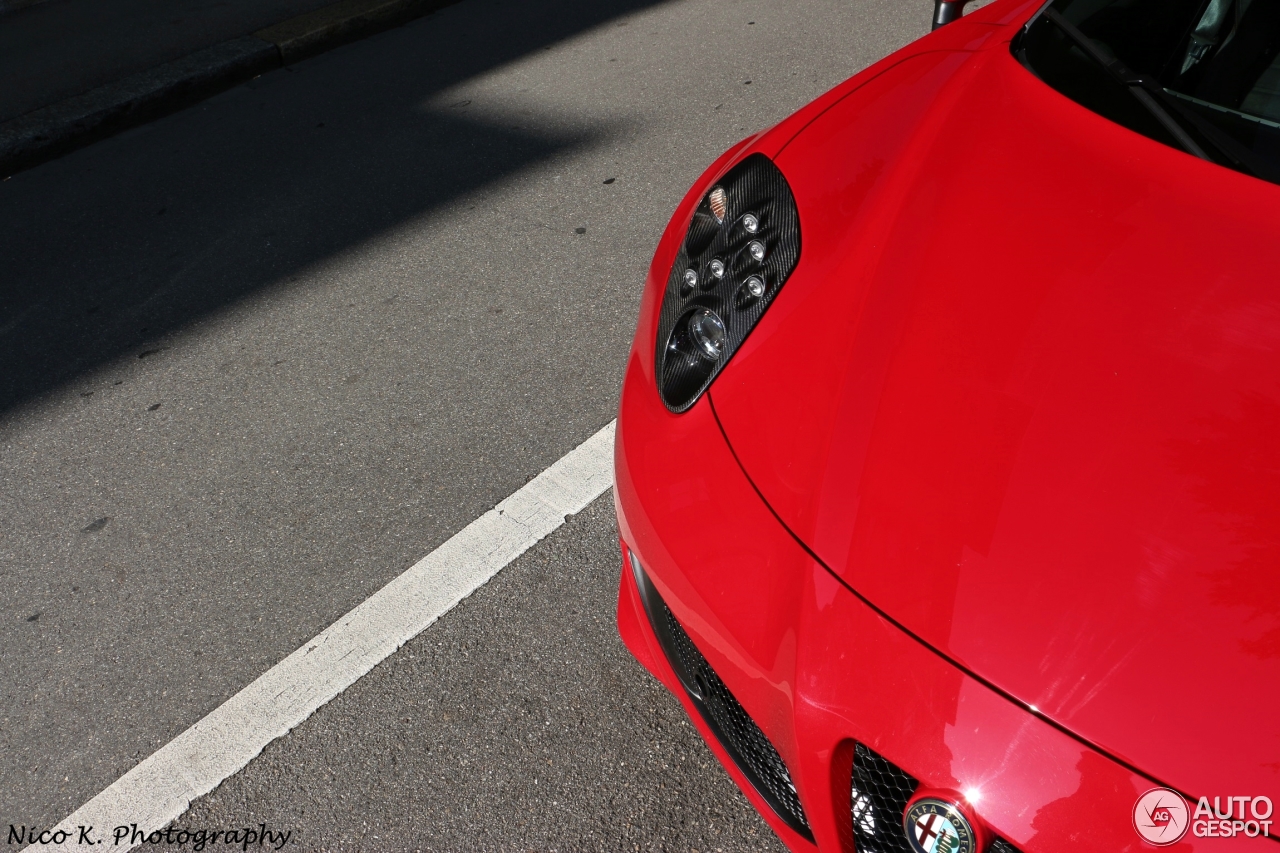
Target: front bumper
<point x="822" y="674"/>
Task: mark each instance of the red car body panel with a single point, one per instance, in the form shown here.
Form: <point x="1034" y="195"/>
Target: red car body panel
<point x="763" y="611"/>
<point x="1000" y="495"/>
<point x="1039" y="425"/>
<point x="818" y="668"/>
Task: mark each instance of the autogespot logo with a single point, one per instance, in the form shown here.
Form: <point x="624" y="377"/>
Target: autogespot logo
<point x="1162" y="817"/>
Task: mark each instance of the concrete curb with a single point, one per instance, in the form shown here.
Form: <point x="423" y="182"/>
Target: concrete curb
<point x="346" y="20"/>
<point x="7" y="6"/>
<point x="52" y="131"/>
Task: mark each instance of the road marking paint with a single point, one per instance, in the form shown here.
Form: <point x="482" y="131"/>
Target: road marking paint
<point x="162" y="787"/>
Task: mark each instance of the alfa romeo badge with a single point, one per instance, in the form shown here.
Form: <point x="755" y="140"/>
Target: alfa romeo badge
<point x="937" y="826"/>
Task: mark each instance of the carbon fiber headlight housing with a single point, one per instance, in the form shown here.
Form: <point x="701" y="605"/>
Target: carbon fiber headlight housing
<point x="742" y="245"/>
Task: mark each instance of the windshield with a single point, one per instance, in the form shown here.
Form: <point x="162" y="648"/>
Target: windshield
<point x="1199" y="75"/>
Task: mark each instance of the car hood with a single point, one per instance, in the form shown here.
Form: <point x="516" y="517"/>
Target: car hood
<point x="1022" y="394"/>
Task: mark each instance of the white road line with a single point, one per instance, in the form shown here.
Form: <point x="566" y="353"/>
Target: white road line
<point x="161" y="788"/>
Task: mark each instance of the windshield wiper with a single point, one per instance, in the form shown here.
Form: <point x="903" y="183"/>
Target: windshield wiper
<point x="1239" y="155"/>
<point x="1138" y="85"/>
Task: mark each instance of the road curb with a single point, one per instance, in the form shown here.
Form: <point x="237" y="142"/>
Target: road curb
<point x="60" y="128"/>
<point x="7" y="6"/>
<point x="51" y="131"/>
<point x="337" y="23"/>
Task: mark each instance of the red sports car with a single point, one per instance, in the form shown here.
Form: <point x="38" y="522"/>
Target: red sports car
<point x="948" y="461"/>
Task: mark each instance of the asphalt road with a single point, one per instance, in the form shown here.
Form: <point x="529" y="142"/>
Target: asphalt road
<point x="262" y="355"/>
<point x="538" y="733"/>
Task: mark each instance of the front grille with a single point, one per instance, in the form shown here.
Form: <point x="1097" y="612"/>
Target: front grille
<point x="880" y="791"/>
<point x="1002" y="846"/>
<point x="879" y="794"/>
<point x="746" y="744"/>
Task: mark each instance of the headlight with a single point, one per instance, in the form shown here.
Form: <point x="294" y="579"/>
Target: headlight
<point x="742" y="245"/>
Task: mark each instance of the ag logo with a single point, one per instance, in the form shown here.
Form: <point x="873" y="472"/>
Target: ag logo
<point x="1160" y="816"/>
<point x="936" y="826"/>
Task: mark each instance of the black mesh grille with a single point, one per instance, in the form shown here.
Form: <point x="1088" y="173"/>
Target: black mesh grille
<point x="741" y="737"/>
<point x="878" y="799"/>
<point x="880" y="791"/>
<point x="728" y="720"/>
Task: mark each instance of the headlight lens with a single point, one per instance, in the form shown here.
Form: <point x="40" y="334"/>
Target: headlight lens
<point x="743" y="244"/>
<point x="707" y="330"/>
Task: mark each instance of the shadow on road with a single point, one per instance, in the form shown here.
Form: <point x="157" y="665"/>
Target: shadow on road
<point x="106" y="250"/>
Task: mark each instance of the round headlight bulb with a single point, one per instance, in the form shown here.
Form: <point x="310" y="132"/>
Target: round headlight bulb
<point x="753" y="287"/>
<point x="690" y="279"/>
<point x="708" y="333"/>
<point x="751" y="223"/>
<point x="717" y="267"/>
<point x="756" y="250"/>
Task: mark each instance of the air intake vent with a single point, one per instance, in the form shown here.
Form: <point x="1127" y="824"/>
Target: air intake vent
<point x="742" y="738"/>
<point x="746" y="744"/>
